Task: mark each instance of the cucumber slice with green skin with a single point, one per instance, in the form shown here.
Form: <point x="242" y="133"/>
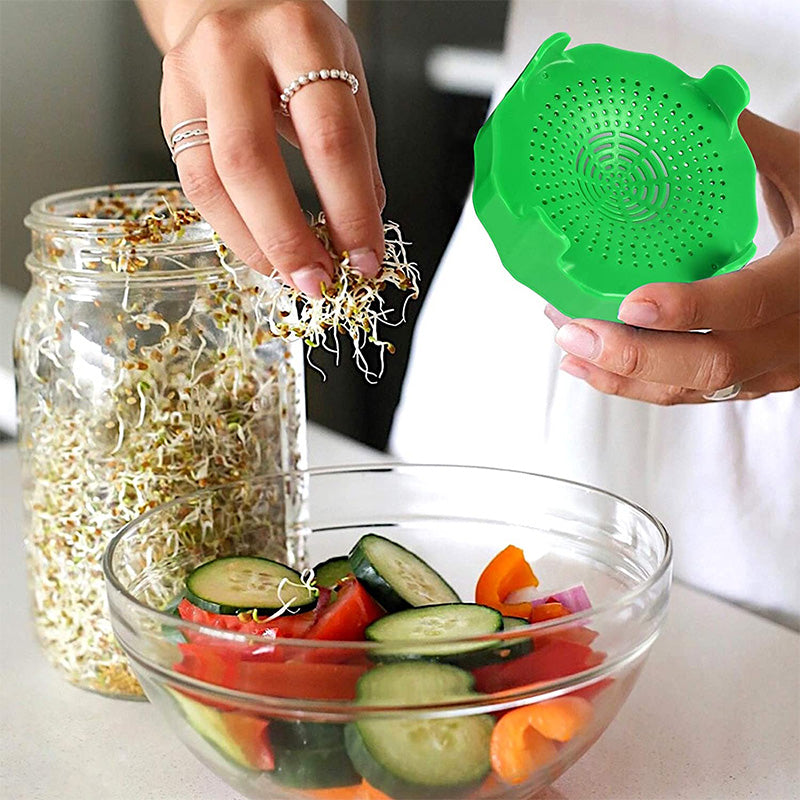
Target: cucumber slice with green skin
<point x="514" y="648"/>
<point x="330" y="572"/>
<point x="169" y="633"/>
<point x="396" y="577"/>
<point x="242" y="583"/>
<point x="413" y="683"/>
<point x="434" y="628"/>
<point x="209" y="723"/>
<point x="419" y="758"/>
<point x="314" y="767"/>
<point x="295" y="734"/>
<point x="172" y="606"/>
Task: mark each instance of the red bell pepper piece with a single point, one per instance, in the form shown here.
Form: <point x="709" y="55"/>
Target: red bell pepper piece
<point x="296" y="679"/>
<point x="206" y="663"/>
<point x="553" y="660"/>
<point x="299" y="679"/>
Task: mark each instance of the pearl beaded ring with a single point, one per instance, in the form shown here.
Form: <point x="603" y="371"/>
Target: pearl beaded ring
<point x="313" y="76"/>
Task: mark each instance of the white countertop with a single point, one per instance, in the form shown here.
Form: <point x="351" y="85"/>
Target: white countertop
<point x="715" y="715"/>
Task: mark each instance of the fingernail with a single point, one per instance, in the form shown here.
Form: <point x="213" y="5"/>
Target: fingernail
<point x="638" y="312"/>
<point x="555" y="316"/>
<point x="574" y="368"/>
<point x="578" y="340"/>
<point x="365" y="261"/>
<point x="310" y="279"/>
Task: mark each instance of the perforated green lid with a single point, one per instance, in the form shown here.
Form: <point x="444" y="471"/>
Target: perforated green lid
<point x="602" y="170"/>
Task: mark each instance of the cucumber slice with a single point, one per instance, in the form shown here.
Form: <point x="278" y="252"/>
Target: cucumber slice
<point x="413" y="683"/>
<point x="330" y="572"/>
<point x="419" y="758"/>
<point x="170" y="633"/>
<point x="295" y="734"/>
<point x="310" y="755"/>
<point x="241" y="583"/>
<point x="314" y="768"/>
<point x="434" y="628"/>
<point x="172" y="606"/>
<point x="514" y="648"/>
<point x="396" y="577"/>
<point x="209" y="723"/>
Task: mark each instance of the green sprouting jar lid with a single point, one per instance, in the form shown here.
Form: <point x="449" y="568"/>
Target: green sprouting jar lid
<point x="602" y="170"/>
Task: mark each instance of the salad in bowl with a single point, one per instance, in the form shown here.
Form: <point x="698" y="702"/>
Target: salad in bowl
<point x="430" y="632"/>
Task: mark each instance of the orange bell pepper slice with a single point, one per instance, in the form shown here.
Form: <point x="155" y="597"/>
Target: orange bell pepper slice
<point x="489" y="788"/>
<point x="363" y="791"/>
<point x="522" y="740"/>
<point x="548" y="611"/>
<point x="517" y="760"/>
<point x="505" y="573"/>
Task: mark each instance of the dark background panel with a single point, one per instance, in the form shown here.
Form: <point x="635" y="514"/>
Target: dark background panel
<point x="425" y="141"/>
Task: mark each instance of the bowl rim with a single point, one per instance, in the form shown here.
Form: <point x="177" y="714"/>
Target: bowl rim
<point x="233" y="636"/>
<point x="217" y="635"/>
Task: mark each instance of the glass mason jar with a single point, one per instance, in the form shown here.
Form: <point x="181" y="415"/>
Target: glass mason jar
<point x="147" y="368"/>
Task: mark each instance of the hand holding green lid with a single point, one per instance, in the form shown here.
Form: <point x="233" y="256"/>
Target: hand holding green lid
<point x="602" y="170"/>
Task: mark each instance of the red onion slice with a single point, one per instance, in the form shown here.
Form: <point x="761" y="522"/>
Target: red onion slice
<point x="573" y="599"/>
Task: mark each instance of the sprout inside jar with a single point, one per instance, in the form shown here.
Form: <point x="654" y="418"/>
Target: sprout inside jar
<point x="151" y="364"/>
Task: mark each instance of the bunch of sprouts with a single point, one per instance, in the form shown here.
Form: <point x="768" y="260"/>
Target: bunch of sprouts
<point x="352" y="306"/>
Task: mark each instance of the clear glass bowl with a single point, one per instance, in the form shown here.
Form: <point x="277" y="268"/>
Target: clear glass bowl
<point x="277" y="718"/>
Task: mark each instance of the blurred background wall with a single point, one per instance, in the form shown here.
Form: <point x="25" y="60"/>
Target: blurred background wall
<point x="79" y="84"/>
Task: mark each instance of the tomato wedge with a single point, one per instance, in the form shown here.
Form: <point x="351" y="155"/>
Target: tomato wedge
<point x="289" y="625"/>
<point x="347" y="617"/>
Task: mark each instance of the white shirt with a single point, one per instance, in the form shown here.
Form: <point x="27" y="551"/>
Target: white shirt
<point x="483" y="385"/>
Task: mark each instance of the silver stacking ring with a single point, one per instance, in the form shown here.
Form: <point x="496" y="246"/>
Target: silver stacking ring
<point x="311" y="77"/>
<point x="728" y="393"/>
<point x="182" y="136"/>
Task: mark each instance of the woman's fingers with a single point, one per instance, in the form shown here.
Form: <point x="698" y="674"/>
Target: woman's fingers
<point x="233" y="63"/>
<point x="288" y="132"/>
<point x="181" y="100"/>
<point x="368" y="119"/>
<point x="202" y="186"/>
<point x="248" y="161"/>
<point x="762" y="292"/>
<point x="783" y="379"/>
<point x="334" y="144"/>
<point x="706" y="362"/>
<point x="619" y="386"/>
